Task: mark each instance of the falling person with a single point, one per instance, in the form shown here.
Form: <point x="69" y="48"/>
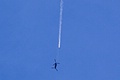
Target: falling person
<point x="55" y="65"/>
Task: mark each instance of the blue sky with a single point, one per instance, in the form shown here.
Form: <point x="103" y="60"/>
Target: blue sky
<point x="90" y="45"/>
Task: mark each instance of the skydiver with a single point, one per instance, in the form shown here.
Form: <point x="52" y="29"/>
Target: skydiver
<point x="55" y="65"/>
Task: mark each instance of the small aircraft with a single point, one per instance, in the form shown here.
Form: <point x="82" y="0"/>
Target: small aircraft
<point x="55" y="65"/>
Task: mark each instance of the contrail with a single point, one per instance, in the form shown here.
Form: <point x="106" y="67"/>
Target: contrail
<point x="60" y="23"/>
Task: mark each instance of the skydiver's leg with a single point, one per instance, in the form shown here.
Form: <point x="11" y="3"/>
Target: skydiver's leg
<point x="56" y="70"/>
<point x="53" y="67"/>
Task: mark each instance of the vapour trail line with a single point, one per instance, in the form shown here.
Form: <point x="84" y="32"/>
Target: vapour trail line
<point x="60" y="23"/>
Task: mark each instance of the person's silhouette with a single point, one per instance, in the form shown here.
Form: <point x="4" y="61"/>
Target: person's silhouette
<point x="55" y="65"/>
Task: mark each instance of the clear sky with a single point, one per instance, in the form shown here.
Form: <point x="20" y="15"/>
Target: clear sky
<point x="90" y="46"/>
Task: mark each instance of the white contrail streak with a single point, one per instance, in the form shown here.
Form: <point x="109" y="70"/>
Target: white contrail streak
<point x="60" y="23"/>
